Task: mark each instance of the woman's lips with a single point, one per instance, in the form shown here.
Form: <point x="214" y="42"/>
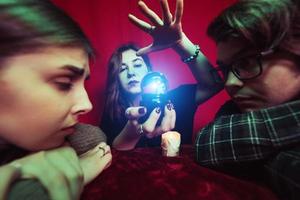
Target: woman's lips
<point x="133" y="82"/>
<point x="68" y="130"/>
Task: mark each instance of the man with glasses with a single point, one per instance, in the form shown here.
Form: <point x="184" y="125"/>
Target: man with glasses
<point x="258" y="51"/>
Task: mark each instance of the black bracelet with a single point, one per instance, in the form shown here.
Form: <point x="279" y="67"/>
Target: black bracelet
<point x="192" y="57"/>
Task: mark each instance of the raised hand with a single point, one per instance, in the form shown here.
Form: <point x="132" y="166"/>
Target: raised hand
<point x="165" y="32"/>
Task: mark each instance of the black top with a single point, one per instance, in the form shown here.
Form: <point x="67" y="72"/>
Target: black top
<point x="183" y="99"/>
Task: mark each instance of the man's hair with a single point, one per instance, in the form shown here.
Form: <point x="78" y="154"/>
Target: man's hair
<point x="27" y="25"/>
<point x="262" y="23"/>
<point x="116" y="101"/>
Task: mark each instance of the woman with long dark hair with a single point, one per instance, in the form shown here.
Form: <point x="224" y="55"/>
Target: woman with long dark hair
<point x="127" y="67"/>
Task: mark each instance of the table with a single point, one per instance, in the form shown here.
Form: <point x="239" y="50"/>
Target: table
<point x="143" y="173"/>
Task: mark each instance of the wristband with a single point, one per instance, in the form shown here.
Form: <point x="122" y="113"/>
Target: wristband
<point x="192" y="57"/>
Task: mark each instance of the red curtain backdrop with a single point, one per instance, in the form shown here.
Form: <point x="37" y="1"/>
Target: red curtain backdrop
<point x="106" y="24"/>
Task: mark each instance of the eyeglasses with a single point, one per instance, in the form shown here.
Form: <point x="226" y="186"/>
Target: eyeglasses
<point x="245" y="68"/>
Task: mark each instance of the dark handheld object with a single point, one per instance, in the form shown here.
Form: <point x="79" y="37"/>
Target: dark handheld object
<point x="154" y="94"/>
<point x="86" y="137"/>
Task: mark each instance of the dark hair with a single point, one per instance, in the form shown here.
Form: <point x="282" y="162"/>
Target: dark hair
<point x="116" y="101"/>
<point x="262" y="23"/>
<point x="27" y="25"/>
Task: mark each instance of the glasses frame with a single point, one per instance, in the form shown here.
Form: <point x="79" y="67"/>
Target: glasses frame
<point x="258" y="59"/>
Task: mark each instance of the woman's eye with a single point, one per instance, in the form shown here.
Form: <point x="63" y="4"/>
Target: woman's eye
<point x="64" y="86"/>
<point x="123" y="68"/>
<point x="64" y="83"/>
<point x="138" y="65"/>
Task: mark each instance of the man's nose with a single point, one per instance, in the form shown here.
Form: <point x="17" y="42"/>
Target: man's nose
<point x="232" y="83"/>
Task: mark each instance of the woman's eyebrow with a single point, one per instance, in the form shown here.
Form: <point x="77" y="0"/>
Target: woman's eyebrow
<point x="137" y="59"/>
<point x="77" y="71"/>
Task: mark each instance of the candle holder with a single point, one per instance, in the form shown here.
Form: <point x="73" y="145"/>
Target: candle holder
<point x="170" y="143"/>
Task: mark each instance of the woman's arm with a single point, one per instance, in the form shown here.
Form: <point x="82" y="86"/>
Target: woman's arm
<point x="59" y="166"/>
<point x="168" y="33"/>
<point x="59" y="171"/>
<point x="200" y="68"/>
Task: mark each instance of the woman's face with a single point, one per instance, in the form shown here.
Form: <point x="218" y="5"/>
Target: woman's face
<point x="131" y="72"/>
<point x="278" y="83"/>
<point x="42" y="95"/>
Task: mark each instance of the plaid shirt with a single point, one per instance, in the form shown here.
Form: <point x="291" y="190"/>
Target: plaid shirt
<point x="249" y="136"/>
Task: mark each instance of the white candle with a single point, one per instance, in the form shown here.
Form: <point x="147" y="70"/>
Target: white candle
<point x="170" y="143"/>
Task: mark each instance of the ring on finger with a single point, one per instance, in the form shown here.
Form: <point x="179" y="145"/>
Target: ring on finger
<point x="103" y="150"/>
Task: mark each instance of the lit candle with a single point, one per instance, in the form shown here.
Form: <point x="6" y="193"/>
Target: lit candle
<point x="170" y="143"/>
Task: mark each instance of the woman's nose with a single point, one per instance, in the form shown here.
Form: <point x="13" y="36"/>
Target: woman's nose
<point x="131" y="71"/>
<point x="82" y="103"/>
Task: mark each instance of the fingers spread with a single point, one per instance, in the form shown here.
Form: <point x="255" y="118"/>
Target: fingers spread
<point x="179" y="11"/>
<point x="145" y="50"/>
<point x="152" y="16"/>
<point x="167" y="16"/>
<point x="139" y="23"/>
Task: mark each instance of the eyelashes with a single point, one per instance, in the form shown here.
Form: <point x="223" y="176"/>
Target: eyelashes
<point x="125" y="67"/>
<point x="64" y="83"/>
<point x="64" y="86"/>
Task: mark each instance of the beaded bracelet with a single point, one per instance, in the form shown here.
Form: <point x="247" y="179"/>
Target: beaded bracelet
<point x="192" y="57"/>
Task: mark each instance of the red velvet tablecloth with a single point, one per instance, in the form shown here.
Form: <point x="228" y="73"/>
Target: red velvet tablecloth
<point x="144" y="174"/>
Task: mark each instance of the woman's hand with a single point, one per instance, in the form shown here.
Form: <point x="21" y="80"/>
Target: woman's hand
<point x="165" y="32"/>
<point x="149" y="126"/>
<point x="58" y="170"/>
<point x="8" y="174"/>
<point x="95" y="161"/>
<point x="133" y="130"/>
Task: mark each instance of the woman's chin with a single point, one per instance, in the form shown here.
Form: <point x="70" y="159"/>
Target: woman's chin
<point x="134" y="91"/>
<point x="48" y="145"/>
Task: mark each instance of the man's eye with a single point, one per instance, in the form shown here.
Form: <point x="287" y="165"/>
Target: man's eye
<point x="224" y="69"/>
